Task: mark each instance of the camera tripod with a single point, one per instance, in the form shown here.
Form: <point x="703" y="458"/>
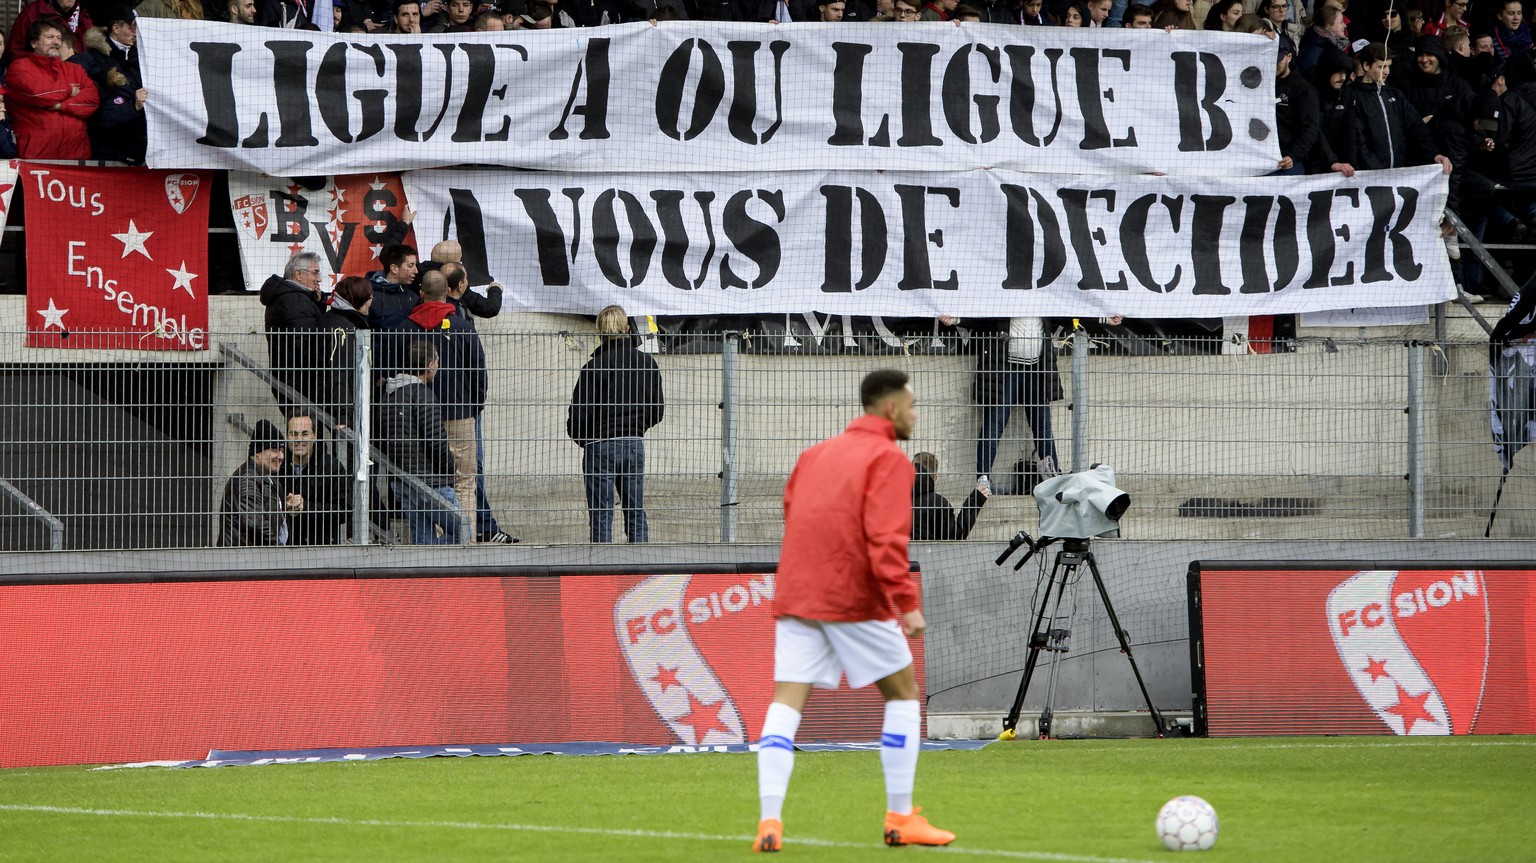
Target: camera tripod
<point x="1043" y="637"/>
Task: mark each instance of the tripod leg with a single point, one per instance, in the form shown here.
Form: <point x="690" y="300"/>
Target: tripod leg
<point x="1037" y="640"/>
<point x="1058" y="652"/>
<point x="1047" y="715"/>
<point x="1125" y="644"/>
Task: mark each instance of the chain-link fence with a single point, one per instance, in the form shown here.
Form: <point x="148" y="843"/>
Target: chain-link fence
<point x="1317" y="439"/>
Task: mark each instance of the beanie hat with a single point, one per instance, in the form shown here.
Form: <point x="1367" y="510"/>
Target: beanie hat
<point x="1430" y="45"/>
<point x="265" y="437"/>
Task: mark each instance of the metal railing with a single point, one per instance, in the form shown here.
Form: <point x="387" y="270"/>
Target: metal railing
<point x="1319" y="439"/>
<point x="33" y="510"/>
<point x="363" y="454"/>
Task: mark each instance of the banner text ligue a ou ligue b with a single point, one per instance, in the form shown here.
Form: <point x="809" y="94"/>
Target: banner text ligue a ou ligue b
<point x="711" y="96"/>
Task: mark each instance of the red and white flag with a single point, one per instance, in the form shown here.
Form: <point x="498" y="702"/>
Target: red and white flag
<point x="345" y="221"/>
<point x="116" y="258"/>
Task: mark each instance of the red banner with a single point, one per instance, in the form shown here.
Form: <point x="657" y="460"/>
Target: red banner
<point x="116" y="258"/>
<point x="1400" y="651"/>
<point x="132" y="672"/>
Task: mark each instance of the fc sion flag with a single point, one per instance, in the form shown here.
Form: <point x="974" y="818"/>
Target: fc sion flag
<point x="116" y="258"/>
<point x="346" y="221"/>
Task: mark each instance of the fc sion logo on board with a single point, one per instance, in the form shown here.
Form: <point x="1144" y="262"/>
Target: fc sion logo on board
<point x="685" y="676"/>
<point x="1416" y="646"/>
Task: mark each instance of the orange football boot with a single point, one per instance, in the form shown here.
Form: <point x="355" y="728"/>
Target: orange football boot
<point x="770" y="835"/>
<point x="913" y="829"/>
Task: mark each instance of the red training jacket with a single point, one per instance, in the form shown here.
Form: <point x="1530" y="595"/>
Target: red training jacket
<point x="34" y="84"/>
<point x="847" y="520"/>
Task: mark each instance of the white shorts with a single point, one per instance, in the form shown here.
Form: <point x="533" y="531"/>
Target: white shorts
<point x="819" y="652"/>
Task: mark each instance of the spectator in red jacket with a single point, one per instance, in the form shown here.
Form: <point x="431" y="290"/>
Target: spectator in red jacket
<point x="50" y="99"/>
<point x="76" y="22"/>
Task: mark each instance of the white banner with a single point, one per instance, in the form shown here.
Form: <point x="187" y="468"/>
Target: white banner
<point x="8" y="175"/>
<point x="708" y="96"/>
<point x="974" y="244"/>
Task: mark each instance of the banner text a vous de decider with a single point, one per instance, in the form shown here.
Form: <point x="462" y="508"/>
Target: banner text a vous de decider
<point x="974" y="244"/>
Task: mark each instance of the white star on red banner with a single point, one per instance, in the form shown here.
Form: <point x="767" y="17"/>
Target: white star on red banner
<point x="53" y="316"/>
<point x="183" y="279"/>
<point x="133" y="240"/>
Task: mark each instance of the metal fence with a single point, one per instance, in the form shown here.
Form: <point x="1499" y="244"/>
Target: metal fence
<point x="1318" y="439"/>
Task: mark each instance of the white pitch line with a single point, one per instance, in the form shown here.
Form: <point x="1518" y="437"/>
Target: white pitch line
<point x="538" y="828"/>
<point x="1334" y="743"/>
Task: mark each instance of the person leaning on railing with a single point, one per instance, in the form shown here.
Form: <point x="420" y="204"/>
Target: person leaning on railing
<point x="933" y="516"/>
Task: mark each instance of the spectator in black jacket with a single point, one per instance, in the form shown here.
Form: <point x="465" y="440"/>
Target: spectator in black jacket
<point x="1397" y="38"/>
<point x="294" y="310"/>
<point x="410" y="431"/>
<point x="596" y="13"/>
<point x="1031" y="14"/>
<point x="1296" y="116"/>
<point x="394" y="296"/>
<point x="1335" y="150"/>
<point x="1443" y="99"/>
<point x="1516" y="139"/>
<point x="1474" y="192"/>
<point x="1015" y="367"/>
<point x="1431" y="86"/>
<point x="254" y="510"/>
<point x="617" y="399"/>
<point x="462" y="381"/>
<point x="487" y="305"/>
<point x="1388" y="132"/>
<point x="288" y="14"/>
<point x="321" y="483"/>
<point x="7" y="134"/>
<point x="347" y="313"/>
<point x="932" y="515"/>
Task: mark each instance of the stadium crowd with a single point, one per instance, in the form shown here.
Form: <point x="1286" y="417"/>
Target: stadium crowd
<point x="1366" y="85"/>
<point x="1372" y="85"/>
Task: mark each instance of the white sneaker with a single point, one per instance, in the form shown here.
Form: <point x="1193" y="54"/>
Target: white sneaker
<point x="1453" y="247"/>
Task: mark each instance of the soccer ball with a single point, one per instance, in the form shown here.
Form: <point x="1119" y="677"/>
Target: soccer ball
<point x="1187" y="824"/>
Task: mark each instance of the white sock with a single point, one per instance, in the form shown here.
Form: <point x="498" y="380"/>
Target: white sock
<point x="776" y="758"/>
<point x="900" y="737"/>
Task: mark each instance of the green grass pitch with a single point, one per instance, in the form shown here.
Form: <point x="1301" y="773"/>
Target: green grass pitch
<point x="1318" y="800"/>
